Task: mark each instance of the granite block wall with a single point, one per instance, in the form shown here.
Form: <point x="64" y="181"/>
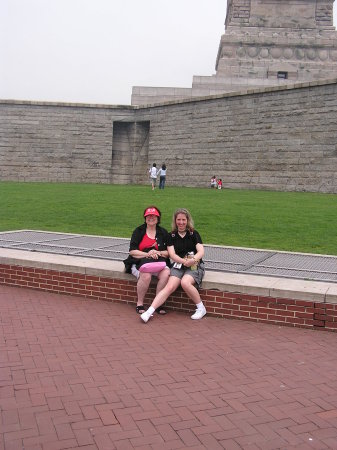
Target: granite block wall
<point x="269" y="138"/>
<point x="55" y="142"/>
<point x="277" y="139"/>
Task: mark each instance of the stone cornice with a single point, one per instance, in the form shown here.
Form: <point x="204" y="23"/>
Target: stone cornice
<point x="64" y="104"/>
<point x="241" y="92"/>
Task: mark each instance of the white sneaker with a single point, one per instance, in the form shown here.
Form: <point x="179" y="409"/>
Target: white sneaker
<point x="145" y="316"/>
<point x="199" y="314"/>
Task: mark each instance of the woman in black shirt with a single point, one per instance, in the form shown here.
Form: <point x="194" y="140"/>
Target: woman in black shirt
<point x="186" y="250"/>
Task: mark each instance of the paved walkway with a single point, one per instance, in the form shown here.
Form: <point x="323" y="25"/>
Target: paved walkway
<point x="77" y="374"/>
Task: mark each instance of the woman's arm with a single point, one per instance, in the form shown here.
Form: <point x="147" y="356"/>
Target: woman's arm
<point x="188" y="262"/>
<point x="200" y="252"/>
<point x="138" y="254"/>
<point x="154" y="254"/>
<point x="174" y="256"/>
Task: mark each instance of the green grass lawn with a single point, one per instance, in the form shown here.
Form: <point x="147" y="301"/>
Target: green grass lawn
<point x="292" y="221"/>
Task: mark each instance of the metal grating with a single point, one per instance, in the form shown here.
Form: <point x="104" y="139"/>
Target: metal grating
<point x="223" y="266"/>
<point x="225" y="254"/>
<point x="86" y="242"/>
<point x="224" y="259"/>
<point x="302" y="262"/>
<point x="30" y="236"/>
<point x="47" y="248"/>
<point x="292" y="273"/>
<point x="104" y="254"/>
<point x="122" y="247"/>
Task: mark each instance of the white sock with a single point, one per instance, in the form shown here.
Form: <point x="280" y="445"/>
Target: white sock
<point x="150" y="311"/>
<point x="135" y="271"/>
<point x="200" y="305"/>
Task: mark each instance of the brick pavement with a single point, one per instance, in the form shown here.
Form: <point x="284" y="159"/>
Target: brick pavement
<point x="83" y="374"/>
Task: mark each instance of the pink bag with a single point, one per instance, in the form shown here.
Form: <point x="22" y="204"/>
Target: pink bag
<point x="152" y="267"/>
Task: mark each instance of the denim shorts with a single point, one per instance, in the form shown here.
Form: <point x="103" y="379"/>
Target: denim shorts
<point x="197" y="275"/>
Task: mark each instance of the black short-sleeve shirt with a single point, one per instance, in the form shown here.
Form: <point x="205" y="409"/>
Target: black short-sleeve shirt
<point x="186" y="244"/>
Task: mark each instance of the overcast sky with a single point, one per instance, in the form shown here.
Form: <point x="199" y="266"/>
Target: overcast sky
<point x="94" y="51"/>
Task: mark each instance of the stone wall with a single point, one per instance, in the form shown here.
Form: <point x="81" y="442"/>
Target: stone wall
<point x="57" y="142"/>
<point x="276" y="138"/>
<point x="279" y="139"/>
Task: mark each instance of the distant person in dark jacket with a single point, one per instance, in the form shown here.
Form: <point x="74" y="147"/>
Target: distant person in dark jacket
<point x="162" y="176"/>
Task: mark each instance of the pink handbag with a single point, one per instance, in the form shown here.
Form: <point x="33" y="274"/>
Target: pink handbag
<point x="152" y="267"/>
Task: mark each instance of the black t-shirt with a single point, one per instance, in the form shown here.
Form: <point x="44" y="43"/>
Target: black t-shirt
<point x="186" y="244"/>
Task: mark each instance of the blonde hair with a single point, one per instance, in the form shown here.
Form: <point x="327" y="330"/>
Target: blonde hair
<point x="190" y="223"/>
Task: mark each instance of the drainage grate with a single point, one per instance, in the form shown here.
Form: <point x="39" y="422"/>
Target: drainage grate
<point x="292" y="273"/>
<point x="223" y="259"/>
<point x="104" y="254"/>
<point x="302" y="262"/>
<point x="31" y="236"/>
<point x="47" y="248"/>
<point x="235" y="255"/>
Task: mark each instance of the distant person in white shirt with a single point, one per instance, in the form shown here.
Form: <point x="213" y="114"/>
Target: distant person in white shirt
<point x="162" y="176"/>
<point x="153" y="175"/>
<point x="213" y="182"/>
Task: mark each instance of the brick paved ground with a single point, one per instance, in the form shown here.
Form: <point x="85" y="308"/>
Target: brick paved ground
<point x="77" y="374"/>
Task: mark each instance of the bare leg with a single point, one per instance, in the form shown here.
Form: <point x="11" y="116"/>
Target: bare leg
<point x="143" y="284"/>
<point x="187" y="283"/>
<point x="163" y="295"/>
<point x="162" y="280"/>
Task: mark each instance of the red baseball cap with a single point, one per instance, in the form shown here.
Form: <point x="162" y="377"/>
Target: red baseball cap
<point x="151" y="212"/>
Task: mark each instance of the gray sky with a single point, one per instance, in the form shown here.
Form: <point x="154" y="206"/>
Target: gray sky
<point x="94" y="51"/>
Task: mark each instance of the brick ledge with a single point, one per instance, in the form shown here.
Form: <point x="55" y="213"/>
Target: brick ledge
<point x="309" y="304"/>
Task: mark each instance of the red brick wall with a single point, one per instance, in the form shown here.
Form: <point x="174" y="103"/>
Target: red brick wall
<point x="279" y="311"/>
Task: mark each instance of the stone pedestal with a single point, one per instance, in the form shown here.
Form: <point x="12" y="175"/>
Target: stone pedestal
<point x="266" y="43"/>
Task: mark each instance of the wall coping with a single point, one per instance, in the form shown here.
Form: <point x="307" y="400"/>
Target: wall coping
<point x="65" y="104"/>
<point x="244" y="91"/>
<point x="317" y="291"/>
<point x="240" y="92"/>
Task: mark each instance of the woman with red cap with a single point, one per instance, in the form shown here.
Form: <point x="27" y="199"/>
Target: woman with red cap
<point x="186" y="250"/>
<point x="148" y="244"/>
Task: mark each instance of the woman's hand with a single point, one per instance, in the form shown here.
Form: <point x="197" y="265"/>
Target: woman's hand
<point x="189" y="262"/>
<point x="154" y="254"/>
